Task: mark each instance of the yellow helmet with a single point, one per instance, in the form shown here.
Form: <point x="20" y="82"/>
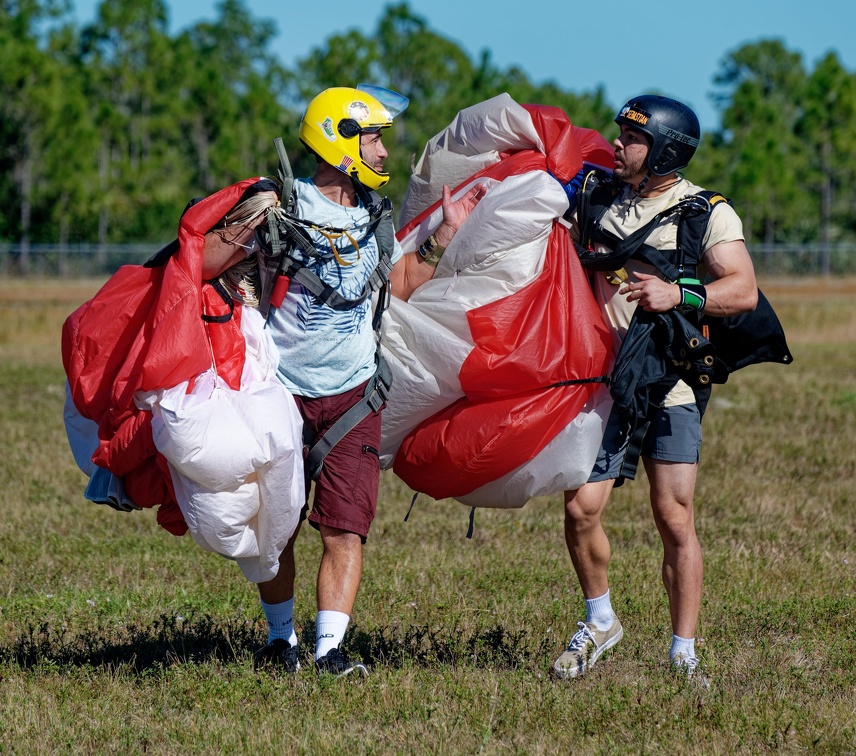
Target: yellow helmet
<point x="334" y="120"/>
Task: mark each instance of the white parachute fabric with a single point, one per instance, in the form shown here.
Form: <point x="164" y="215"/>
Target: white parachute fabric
<point x="475" y="139"/>
<point x="235" y="457"/>
<point x="498" y="251"/>
<point x="563" y="465"/>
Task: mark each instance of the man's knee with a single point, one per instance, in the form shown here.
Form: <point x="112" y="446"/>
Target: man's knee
<point x="675" y="521"/>
<point x="584" y="507"/>
<point x="339" y="540"/>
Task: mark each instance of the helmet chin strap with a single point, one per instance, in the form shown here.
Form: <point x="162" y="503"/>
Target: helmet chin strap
<point x="361" y="190"/>
<point x="662" y="187"/>
<point x="641" y="188"/>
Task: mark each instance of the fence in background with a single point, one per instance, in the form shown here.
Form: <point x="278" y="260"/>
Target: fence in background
<point x="94" y="260"/>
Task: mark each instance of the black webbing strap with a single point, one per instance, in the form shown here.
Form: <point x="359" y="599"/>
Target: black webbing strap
<point x="412" y="502"/>
<point x="630" y="463"/>
<point x="694" y="211"/>
<point x="580" y="381"/>
<point x="472" y="524"/>
<point x="227" y="298"/>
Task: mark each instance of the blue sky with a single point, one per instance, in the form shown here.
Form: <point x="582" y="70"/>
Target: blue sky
<point x="629" y="48"/>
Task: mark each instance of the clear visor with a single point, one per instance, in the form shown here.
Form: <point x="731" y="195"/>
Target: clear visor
<point x="394" y="102"/>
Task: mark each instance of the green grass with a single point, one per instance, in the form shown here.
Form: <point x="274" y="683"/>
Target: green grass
<point x="116" y="637"/>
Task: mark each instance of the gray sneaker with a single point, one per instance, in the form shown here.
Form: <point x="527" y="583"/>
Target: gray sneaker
<point x="585" y="648"/>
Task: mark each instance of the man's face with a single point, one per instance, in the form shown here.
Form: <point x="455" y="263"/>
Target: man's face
<point x="631" y="155"/>
<point x="372" y="150"/>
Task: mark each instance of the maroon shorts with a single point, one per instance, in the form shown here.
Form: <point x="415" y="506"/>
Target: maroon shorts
<point x="346" y="491"/>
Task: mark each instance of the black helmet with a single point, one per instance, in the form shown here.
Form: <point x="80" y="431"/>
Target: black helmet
<point x="672" y="129"/>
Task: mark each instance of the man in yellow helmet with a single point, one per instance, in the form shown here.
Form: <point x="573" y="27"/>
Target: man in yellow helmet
<point x="328" y="349"/>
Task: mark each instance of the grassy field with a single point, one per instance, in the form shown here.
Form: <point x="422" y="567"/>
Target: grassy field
<point x="116" y="637"/>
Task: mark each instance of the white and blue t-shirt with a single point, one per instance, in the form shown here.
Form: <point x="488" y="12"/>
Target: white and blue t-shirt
<point x="322" y="351"/>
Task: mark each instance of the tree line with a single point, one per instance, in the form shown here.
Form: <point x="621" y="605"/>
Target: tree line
<point x="107" y="130"/>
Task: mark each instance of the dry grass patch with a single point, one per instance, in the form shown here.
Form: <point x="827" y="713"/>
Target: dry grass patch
<point x="116" y="637"/>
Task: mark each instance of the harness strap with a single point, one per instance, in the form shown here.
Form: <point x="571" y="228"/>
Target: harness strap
<point x="322" y="291"/>
<point x="694" y="212"/>
<point x="378" y="386"/>
<point x="638" y="429"/>
<point x="374" y="398"/>
<point x="630" y="463"/>
<point x="293" y="235"/>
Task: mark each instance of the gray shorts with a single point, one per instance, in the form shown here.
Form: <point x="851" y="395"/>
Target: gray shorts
<point x="673" y="436"/>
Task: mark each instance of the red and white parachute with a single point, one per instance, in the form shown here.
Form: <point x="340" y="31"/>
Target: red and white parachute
<point x="179" y="408"/>
<point x="480" y="408"/>
<point x="485" y="406"/>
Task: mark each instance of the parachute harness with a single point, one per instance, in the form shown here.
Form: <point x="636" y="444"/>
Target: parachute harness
<point x="278" y="239"/>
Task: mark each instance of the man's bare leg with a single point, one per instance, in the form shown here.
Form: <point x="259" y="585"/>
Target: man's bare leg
<point x="341" y="570"/>
<point x="672" y="491"/>
<point x="281" y="588"/>
<point x="585" y="538"/>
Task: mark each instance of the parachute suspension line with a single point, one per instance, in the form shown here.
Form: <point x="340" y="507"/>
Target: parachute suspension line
<point x="240" y="280"/>
<point x="251" y="208"/>
<point x="472" y="523"/>
<point x="412" y="502"/>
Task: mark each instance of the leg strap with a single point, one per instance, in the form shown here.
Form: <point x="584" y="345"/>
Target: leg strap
<point x="373" y="400"/>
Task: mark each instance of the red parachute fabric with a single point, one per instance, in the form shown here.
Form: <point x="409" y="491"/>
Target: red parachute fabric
<point x="548" y="332"/>
<point x="143" y="330"/>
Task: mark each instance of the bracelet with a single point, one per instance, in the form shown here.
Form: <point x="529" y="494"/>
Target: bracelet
<point x="693" y="294"/>
<point x="430" y="251"/>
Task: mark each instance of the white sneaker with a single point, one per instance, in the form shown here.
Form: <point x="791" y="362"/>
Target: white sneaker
<point x="685" y="663"/>
<point x="689" y="666"/>
<point x="585" y="648"/>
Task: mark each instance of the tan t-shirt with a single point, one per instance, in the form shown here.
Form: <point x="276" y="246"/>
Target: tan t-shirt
<point x="626" y="215"/>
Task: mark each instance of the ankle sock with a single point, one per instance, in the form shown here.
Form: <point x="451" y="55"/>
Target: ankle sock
<point x="599" y="612"/>
<point x="682" y="646"/>
<point x="280" y="619"/>
<point x="330" y="629"/>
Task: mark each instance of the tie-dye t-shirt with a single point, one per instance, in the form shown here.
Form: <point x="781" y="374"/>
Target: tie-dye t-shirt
<point x="322" y="351"/>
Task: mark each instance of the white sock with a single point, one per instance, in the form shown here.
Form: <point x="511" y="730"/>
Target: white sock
<point x="682" y="646"/>
<point x="280" y="618"/>
<point x="330" y="629"/>
<point x="599" y="612"/>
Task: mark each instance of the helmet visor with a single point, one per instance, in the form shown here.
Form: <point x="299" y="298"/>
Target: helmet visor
<point x="394" y="102"/>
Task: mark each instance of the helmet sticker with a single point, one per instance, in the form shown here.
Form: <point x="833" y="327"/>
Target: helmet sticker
<point x="346" y="163"/>
<point x="635" y="115"/>
<point x="677" y="136"/>
<point x="359" y="111"/>
<point x="327" y="127"/>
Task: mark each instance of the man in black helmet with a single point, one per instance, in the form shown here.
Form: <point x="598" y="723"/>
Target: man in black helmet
<point x="658" y="138"/>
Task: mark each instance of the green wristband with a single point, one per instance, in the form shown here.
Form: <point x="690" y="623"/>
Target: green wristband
<point x="693" y="294"/>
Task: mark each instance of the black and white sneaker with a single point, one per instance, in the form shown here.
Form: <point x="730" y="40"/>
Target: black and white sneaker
<point x="280" y="655"/>
<point x="336" y="662"/>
